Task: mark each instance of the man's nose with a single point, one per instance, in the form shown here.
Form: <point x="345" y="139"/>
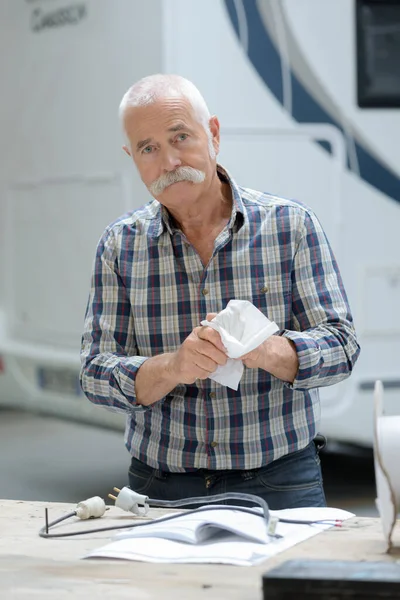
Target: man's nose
<point x="170" y="160"/>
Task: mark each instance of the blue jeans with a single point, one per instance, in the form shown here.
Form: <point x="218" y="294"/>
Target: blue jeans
<point x="292" y="481"/>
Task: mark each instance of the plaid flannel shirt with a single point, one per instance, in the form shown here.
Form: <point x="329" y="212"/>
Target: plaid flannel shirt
<point x="150" y="289"/>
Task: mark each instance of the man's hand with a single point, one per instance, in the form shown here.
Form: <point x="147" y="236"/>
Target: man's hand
<point x="277" y="355"/>
<point x="257" y="358"/>
<point x="199" y="355"/>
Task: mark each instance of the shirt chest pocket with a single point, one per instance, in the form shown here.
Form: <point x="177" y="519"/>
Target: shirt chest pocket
<point x="272" y="297"/>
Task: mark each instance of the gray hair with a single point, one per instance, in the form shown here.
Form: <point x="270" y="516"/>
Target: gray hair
<point x="154" y="87"/>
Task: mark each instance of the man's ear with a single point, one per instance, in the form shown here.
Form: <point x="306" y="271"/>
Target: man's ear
<point x="215" y="131"/>
<point x="126" y="149"/>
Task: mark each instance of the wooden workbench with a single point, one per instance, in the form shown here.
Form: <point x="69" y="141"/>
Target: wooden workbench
<point x="35" y="568"/>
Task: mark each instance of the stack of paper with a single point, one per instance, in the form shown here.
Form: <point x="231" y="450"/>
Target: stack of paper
<point x="227" y="536"/>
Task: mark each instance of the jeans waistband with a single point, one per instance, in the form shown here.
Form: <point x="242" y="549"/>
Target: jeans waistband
<point x="209" y="474"/>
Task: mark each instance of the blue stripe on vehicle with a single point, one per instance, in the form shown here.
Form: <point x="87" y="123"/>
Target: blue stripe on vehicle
<point x="305" y="109"/>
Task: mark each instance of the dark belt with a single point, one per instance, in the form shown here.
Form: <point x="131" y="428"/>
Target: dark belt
<point x="211" y="477"/>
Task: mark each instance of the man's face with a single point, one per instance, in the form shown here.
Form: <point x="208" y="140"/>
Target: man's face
<point x="164" y="137"/>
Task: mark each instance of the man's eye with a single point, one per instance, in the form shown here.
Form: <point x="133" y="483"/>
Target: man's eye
<point x="147" y="150"/>
<point x="182" y="137"/>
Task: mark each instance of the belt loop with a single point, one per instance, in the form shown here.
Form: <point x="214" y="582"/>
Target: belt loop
<point x="158" y="474"/>
<point x="250" y="474"/>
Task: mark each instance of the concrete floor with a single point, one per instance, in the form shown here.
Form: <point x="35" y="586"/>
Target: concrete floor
<point x="42" y="458"/>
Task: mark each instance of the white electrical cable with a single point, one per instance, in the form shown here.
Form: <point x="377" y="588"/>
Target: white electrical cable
<point x="136" y="503"/>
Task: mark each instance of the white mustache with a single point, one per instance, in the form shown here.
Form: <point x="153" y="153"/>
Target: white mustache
<point x="180" y="174"/>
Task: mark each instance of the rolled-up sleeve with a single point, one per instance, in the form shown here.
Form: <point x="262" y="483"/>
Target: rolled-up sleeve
<point x="323" y="330"/>
<point x="109" y="360"/>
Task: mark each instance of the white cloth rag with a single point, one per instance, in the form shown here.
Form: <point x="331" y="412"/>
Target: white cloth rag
<point x="242" y="328"/>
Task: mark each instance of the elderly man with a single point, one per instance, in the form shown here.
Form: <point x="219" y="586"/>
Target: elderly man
<point x="160" y="269"/>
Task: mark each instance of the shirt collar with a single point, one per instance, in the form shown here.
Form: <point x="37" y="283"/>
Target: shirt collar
<point x="238" y="212"/>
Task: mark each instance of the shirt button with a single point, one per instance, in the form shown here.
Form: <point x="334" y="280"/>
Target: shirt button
<point x="213" y="395"/>
<point x="213" y="444"/>
<point x="205" y="292"/>
<point x="264" y="289"/>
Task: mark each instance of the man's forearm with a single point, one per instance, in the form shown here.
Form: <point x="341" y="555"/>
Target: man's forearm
<point x="154" y="379"/>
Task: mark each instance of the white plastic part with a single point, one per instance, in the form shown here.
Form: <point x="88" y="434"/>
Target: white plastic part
<point x="386" y="459"/>
<point x="129" y="500"/>
<point x="91" y="508"/>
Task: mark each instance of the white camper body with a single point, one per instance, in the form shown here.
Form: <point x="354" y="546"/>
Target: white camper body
<point x="280" y="75"/>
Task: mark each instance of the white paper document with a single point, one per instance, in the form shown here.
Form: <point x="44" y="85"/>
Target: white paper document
<point x="226" y="536"/>
<point x="242" y="328"/>
<point x="205" y="526"/>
